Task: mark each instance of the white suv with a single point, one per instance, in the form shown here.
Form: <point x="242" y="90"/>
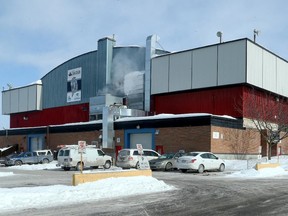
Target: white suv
<point x="128" y="158"/>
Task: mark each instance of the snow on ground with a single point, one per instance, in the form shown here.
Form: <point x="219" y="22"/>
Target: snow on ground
<point x="45" y="196"/>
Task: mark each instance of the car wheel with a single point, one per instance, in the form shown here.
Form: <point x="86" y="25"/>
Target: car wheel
<point x="168" y="166"/>
<point x="18" y="163"/>
<point x="137" y="165"/>
<point x="222" y="168"/>
<point x="79" y="166"/>
<point x="45" y="161"/>
<point x="183" y="170"/>
<point x="66" y="168"/>
<point x="201" y="168"/>
<point x="107" y="165"/>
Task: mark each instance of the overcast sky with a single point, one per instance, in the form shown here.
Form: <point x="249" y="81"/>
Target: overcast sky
<point x="38" y="35"/>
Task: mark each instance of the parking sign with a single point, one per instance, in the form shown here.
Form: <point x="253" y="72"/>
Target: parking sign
<point x="139" y="148"/>
<point x="81" y="146"/>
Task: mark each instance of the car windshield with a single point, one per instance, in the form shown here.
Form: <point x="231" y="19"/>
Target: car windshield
<point x="191" y="154"/>
<point x="166" y="156"/>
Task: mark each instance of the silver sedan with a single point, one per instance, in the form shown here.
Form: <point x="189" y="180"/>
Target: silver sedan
<point x="165" y="162"/>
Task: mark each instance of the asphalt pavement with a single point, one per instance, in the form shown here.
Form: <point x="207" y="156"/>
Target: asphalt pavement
<point x="210" y="193"/>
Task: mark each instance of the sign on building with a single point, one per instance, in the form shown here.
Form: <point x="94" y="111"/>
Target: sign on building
<point x="74" y="84"/>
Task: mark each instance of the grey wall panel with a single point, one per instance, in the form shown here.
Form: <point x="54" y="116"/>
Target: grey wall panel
<point x="180" y="73"/>
<point x="254" y="64"/>
<point x="269" y="71"/>
<point x="14" y="101"/>
<point x="6" y="102"/>
<point x="23" y="99"/>
<point x="232" y="63"/>
<point x="204" y="67"/>
<point x="159" y="76"/>
<point x="282" y="74"/>
<point x="32" y="99"/>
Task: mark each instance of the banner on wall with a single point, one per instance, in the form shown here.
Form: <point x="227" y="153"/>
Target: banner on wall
<point x="74" y="84"/>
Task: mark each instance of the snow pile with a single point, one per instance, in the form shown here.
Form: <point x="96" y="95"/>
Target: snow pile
<point x="261" y="173"/>
<point x="51" y="165"/>
<point x="47" y="196"/>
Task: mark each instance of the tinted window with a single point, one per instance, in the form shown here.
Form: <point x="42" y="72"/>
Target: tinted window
<point x="191" y="154"/>
<point x="137" y="153"/>
<point x="154" y="154"/>
<point x="213" y="156"/>
<point x="28" y="154"/>
<point x="205" y="156"/>
<point x="100" y="153"/>
<point x="66" y="152"/>
<point x="61" y="152"/>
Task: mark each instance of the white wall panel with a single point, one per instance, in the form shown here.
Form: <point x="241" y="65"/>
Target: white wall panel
<point x="282" y="77"/>
<point x="23" y="99"/>
<point x="269" y="71"/>
<point x="204" y="67"/>
<point x="180" y="71"/>
<point x="254" y="64"/>
<point x="232" y="63"/>
<point x="39" y="97"/>
<point x="159" y="76"/>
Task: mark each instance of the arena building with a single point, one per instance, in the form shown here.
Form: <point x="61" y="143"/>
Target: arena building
<point x="116" y="97"/>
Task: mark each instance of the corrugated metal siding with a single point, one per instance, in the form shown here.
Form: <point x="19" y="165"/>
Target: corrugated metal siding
<point x="55" y="82"/>
<point x="125" y="60"/>
<point x="219" y="101"/>
<point x="53" y="116"/>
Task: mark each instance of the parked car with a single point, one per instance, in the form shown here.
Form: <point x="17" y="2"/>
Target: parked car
<point x="27" y="158"/>
<point x="128" y="158"/>
<point x="165" y="162"/>
<point x="69" y="157"/>
<point x="200" y="161"/>
<point x="44" y="152"/>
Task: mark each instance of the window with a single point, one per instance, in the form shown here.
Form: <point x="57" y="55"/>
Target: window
<point x="213" y="157"/>
<point x="100" y="153"/>
<point x="136" y="152"/>
<point x="61" y="152"/>
<point x="66" y="152"/>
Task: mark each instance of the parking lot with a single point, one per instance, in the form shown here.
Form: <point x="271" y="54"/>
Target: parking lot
<point x="196" y="194"/>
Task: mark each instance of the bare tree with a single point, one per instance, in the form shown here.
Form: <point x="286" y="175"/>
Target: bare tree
<point x="240" y="142"/>
<point x="269" y="114"/>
